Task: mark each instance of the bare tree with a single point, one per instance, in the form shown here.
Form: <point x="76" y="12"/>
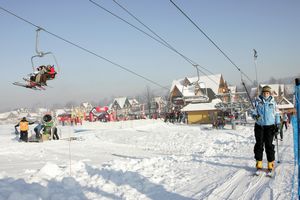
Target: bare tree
<point x="71" y="104"/>
<point x="149" y="97"/>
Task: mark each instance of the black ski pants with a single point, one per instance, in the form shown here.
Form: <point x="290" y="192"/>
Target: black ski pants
<point x="264" y="136"/>
<point x="37" y="133"/>
<point x="285" y="125"/>
<point x="24" y="136"/>
<point x="55" y="135"/>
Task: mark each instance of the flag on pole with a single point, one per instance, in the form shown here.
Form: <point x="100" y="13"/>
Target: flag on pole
<point x="255" y="54"/>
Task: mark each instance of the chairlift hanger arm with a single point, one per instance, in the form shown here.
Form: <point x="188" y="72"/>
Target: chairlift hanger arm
<point x="37" y="42"/>
<point x="196" y="66"/>
<point x="40" y="54"/>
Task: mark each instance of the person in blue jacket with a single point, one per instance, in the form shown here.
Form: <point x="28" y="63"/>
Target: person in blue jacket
<point x="38" y="130"/>
<point x="266" y="126"/>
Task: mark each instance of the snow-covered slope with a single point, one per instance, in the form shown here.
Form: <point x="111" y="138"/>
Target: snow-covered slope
<point x="143" y="159"/>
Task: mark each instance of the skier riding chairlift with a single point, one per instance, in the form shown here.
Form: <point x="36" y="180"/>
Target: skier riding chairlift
<point x="41" y="74"/>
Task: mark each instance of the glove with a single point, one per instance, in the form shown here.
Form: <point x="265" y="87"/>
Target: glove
<point x="16" y="131"/>
<point x="255" y="115"/>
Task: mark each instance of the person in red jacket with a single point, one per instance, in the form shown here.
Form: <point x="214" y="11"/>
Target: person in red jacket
<point x="51" y="72"/>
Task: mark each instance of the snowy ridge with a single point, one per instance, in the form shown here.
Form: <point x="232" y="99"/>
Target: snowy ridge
<point x="145" y="159"/>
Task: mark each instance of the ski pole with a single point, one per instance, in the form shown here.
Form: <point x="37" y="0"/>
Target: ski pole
<point x="278" y="161"/>
<point x="248" y="95"/>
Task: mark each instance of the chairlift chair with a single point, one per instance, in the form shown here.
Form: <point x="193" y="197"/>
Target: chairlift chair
<point x="198" y="98"/>
<point x="39" y="54"/>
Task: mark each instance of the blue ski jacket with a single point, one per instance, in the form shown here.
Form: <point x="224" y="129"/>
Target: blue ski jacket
<point x="266" y="112"/>
<point x="39" y="127"/>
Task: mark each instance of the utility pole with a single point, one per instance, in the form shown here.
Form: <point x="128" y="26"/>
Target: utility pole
<point x="233" y="125"/>
<point x="255" y="64"/>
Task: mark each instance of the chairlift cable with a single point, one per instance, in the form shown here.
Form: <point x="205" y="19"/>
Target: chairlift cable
<point x="163" y="42"/>
<point x="86" y="50"/>
<point x="242" y="73"/>
<point x="167" y="43"/>
<point x="226" y="56"/>
<point x="107" y="60"/>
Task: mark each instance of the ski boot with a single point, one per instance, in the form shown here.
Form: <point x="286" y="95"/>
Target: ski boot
<point x="270" y="170"/>
<point x="259" y="166"/>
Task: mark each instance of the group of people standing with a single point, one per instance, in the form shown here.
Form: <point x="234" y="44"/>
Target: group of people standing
<point x="46" y="127"/>
<point x="176" y="116"/>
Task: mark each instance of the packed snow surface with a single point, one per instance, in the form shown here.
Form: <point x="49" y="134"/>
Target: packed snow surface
<point x="142" y="159"/>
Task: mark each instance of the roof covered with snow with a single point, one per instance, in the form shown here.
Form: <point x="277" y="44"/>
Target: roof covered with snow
<point x="121" y="101"/>
<point x="210" y="81"/>
<point x="283" y="103"/>
<point x="201" y="106"/>
<point x="133" y="101"/>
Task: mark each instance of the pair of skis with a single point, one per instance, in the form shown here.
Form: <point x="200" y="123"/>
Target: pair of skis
<point x="266" y="172"/>
<point x="30" y="84"/>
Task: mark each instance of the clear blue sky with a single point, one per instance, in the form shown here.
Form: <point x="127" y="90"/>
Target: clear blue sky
<point x="238" y="27"/>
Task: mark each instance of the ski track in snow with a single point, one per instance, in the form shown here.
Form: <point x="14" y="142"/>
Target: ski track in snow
<point x="145" y="159"/>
